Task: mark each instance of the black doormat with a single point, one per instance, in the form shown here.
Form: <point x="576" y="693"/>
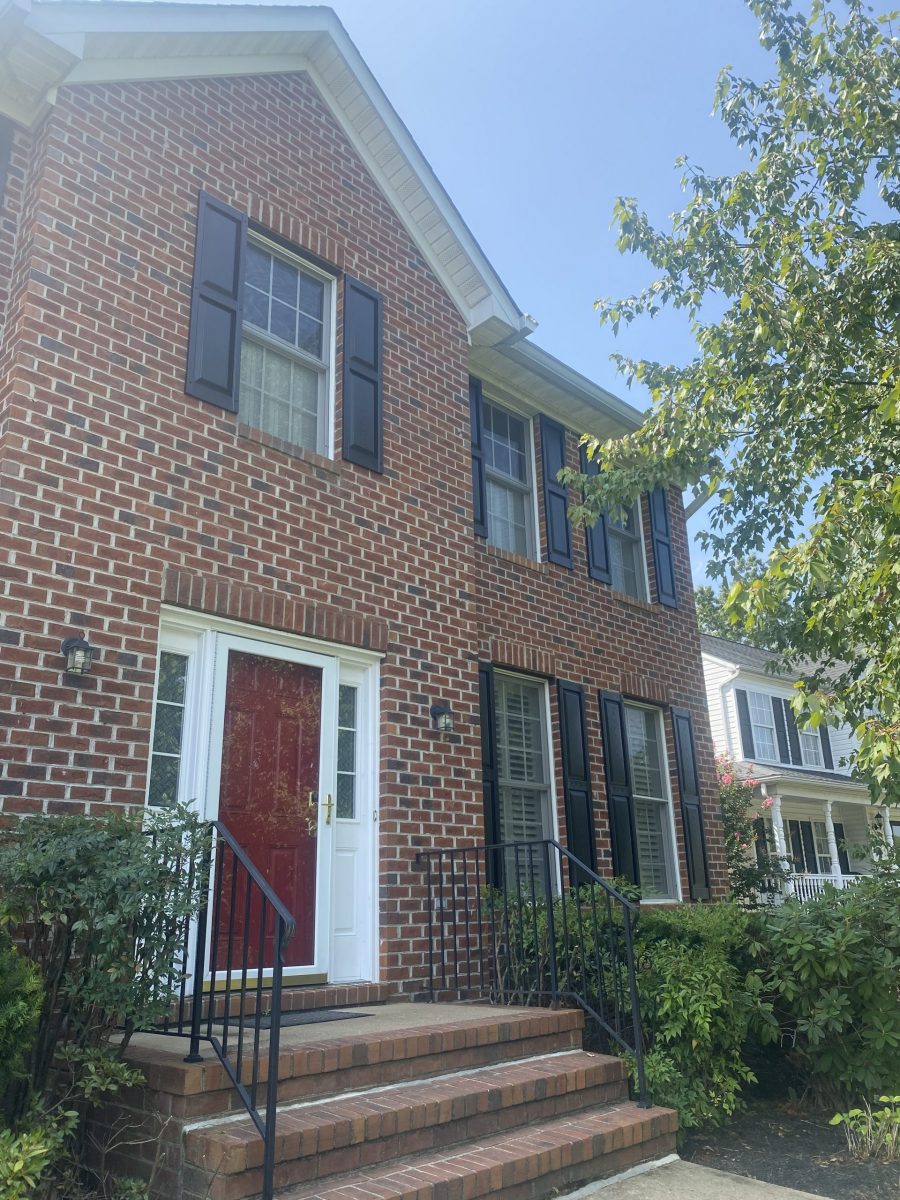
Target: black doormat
<point x="313" y="1016"/>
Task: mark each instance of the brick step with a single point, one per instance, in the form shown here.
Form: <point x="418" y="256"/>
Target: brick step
<point x="346" y="1134"/>
<point x="332" y="1064"/>
<point x="528" y="1164"/>
<point x="309" y="997"/>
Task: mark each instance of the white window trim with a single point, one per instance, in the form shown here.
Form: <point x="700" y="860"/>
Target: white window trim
<point x="733" y="728"/>
<point x="642" y="542"/>
<point x="329" y="336"/>
<point x="532" y="535"/>
<point x="669" y="802"/>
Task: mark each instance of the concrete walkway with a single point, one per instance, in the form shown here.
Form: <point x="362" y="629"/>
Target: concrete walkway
<point x="687" y="1181"/>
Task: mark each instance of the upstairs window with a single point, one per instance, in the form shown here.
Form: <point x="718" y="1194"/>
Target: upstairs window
<point x="811" y="749"/>
<point x="509" y="481"/>
<point x="626" y="553"/>
<point x="763" y="725"/>
<point x="286" y="351"/>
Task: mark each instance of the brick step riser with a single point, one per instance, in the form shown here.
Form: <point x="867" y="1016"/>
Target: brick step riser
<point x="304" y="1085"/>
<point x="540" y="1171"/>
<point x="303" y="999"/>
<point x="352" y="1154"/>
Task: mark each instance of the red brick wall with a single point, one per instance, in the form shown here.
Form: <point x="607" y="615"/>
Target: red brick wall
<point x="120" y="492"/>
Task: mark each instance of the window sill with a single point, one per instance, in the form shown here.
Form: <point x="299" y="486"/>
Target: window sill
<point x="516" y="560"/>
<point x="634" y="601"/>
<point x="249" y="434"/>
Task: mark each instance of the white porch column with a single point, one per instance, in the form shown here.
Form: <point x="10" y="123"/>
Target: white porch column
<point x="832" y="842"/>
<point x="778" y="834"/>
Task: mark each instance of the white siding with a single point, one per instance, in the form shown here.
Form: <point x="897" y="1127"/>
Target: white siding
<point x="716" y="673"/>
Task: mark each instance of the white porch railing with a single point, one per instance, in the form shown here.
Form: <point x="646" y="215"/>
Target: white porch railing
<point x="807" y="887"/>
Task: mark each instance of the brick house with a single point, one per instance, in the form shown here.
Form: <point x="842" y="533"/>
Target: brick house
<point x="275" y="443"/>
<point x="274" y="440"/>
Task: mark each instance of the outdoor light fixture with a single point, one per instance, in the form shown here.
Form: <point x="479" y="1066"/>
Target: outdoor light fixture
<point x="78" y="654"/>
<point x="442" y="718"/>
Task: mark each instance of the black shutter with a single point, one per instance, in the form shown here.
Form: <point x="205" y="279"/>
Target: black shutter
<point x="596" y="534"/>
<point x="576" y="774"/>
<point x="214" y="339"/>
<point x="490" y="785"/>
<point x="618" y="787"/>
<point x="556" y="496"/>
<point x="809" y="847"/>
<point x="744" y="721"/>
<point x="363" y="440"/>
<point x="796" y="845"/>
<point x="784" y="753"/>
<point x="793" y="735"/>
<point x="843" y="857"/>
<point x="666" y="592"/>
<point x="691" y="811"/>
<point x="825" y="739"/>
<point x="479" y="485"/>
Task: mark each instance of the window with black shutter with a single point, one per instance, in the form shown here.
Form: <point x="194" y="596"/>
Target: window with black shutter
<point x="691" y="810"/>
<point x="576" y="774"/>
<point x="663" y="557"/>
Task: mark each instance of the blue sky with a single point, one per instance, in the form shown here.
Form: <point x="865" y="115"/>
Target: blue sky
<point x="536" y="116"/>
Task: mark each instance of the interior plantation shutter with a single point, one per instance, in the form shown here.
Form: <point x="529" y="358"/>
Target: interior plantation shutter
<point x="843" y="856"/>
<point x="618" y="787"/>
<point x="651" y="847"/>
<point x="691" y="811"/>
<point x="743" y="710"/>
<point x="662" y="548"/>
<point x="363" y="402"/>
<point x="576" y="773"/>
<point x="214" y="336"/>
<point x="597" y="535"/>
<point x="825" y="739"/>
<point x="479" y="483"/>
<point x="556" y="495"/>
<point x="490" y="785"/>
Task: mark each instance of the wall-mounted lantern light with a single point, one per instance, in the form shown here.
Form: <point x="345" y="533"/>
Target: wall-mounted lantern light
<point x="442" y="718"/>
<point x="78" y="655"/>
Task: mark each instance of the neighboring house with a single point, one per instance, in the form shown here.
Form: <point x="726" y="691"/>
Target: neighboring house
<point x="816" y="815"/>
<point x="274" y="438"/>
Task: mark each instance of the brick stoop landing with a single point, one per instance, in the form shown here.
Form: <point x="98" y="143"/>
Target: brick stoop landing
<point x="418" y="1102"/>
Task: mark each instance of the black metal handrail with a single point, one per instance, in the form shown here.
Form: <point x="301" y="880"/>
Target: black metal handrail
<point x="242" y="928"/>
<point x="529" y="923"/>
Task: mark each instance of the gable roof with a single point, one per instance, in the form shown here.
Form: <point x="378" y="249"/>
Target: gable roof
<point x="739" y="654"/>
<point x="51" y="44"/>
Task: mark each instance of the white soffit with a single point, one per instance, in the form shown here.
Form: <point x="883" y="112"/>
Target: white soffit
<point x="50" y="44"/>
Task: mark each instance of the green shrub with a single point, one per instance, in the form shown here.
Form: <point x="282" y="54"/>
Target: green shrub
<point x="873" y="1133"/>
<point x="20" y="1004"/>
<point x="24" y="1157"/>
<point x="701" y="1001"/>
<point x="102" y="905"/>
<point x="831" y="968"/>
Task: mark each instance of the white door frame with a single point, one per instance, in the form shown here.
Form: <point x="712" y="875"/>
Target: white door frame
<point x="201" y="638"/>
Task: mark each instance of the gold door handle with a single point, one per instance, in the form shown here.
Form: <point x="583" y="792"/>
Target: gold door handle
<point x="328" y="807"/>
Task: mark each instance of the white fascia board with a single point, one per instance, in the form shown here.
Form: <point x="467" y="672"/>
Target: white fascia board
<point x="72" y="26"/>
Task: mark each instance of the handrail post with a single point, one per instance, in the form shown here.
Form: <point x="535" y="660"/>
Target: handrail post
<point x="635" y="1012"/>
<point x="268" y="1186"/>
<point x="551" y="925"/>
<point x="194" y="1055"/>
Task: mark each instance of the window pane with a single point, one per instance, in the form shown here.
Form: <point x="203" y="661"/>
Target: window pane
<point x="642" y="726"/>
<point x="653" y="851"/>
<point x="282" y="299"/>
<point x="624" y="565"/>
<point x="519" y="732"/>
<point x="508" y="513"/>
<point x="763" y="724"/>
<point x="258" y="269"/>
<point x="346" y="765"/>
<point x="823" y="852"/>
<point x="168" y="728"/>
<point x="284" y="281"/>
<point x="811" y="748"/>
<point x="280" y="396"/>
<point x="284" y="321"/>
<point x="312" y="296"/>
<point x="172" y="676"/>
<point x="505" y="442"/>
<point x="163" y="789"/>
<point x="309" y="335"/>
<point x="256" y="308"/>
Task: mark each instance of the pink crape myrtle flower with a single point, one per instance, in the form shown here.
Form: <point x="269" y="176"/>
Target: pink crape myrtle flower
<point x="767" y="803"/>
<point x="726" y="779"/>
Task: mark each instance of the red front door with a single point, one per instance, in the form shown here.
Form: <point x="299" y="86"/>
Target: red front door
<point x="268" y="798"/>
